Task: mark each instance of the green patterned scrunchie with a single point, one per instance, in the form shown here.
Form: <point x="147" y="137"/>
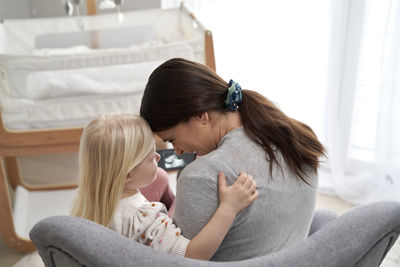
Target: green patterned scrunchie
<point x="234" y="96"/>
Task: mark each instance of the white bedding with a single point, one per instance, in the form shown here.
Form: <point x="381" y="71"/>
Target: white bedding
<point x="72" y="97"/>
<point x="89" y="81"/>
<point x="72" y="112"/>
<point x="55" y="87"/>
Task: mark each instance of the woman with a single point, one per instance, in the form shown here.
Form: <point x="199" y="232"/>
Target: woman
<point x="234" y="130"/>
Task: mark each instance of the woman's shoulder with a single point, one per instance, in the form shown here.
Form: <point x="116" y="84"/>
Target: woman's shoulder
<point x="204" y="167"/>
<point x="234" y="151"/>
<point x="204" y="170"/>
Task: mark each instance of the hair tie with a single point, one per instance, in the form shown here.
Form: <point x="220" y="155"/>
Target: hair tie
<point x="234" y="96"/>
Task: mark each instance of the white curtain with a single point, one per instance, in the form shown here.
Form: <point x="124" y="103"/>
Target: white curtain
<point x="333" y="64"/>
<point x="362" y="115"/>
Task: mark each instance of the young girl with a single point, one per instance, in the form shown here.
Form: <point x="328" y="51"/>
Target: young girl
<point x="117" y="157"/>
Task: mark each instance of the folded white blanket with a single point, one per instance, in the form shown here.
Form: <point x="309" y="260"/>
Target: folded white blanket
<point x="107" y="71"/>
<point x="114" y="79"/>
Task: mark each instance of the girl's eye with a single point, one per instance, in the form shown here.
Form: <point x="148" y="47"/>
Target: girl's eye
<point x="171" y="140"/>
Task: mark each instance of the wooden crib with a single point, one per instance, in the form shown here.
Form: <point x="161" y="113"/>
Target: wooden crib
<point x="45" y="118"/>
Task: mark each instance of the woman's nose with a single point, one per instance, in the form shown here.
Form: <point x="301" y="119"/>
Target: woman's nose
<point x="158" y="157"/>
<point x="178" y="150"/>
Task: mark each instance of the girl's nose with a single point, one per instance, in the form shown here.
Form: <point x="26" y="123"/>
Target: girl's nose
<point x="158" y="157"/>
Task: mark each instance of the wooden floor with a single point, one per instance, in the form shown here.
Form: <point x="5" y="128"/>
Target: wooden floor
<point x="64" y="168"/>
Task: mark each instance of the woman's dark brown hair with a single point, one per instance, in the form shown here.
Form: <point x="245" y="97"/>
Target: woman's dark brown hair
<point x="180" y="89"/>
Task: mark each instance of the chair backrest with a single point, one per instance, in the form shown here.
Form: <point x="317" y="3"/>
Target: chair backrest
<point x="360" y="237"/>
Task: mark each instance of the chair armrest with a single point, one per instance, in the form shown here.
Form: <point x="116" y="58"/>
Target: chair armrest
<point x="320" y="219"/>
<point x="359" y="237"/>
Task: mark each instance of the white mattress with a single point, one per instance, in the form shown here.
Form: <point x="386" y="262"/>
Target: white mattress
<point x="72" y="97"/>
<point x="51" y="86"/>
<point x="73" y="112"/>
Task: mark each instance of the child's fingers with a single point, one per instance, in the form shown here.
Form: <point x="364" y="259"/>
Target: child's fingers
<point x="242" y="178"/>
<point x="253" y="186"/>
<point x="249" y="182"/>
<point x="221" y="180"/>
<point x="254" y="196"/>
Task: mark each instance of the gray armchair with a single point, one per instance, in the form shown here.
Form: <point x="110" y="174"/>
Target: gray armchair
<point x="360" y="237"/>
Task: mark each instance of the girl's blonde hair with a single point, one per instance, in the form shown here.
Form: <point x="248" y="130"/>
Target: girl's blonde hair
<point x="111" y="146"/>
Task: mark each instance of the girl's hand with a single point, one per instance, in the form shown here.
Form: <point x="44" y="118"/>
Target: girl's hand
<point x="238" y="196"/>
<point x="233" y="199"/>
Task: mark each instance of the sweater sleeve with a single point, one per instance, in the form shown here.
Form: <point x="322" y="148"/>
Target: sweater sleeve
<point x="162" y="234"/>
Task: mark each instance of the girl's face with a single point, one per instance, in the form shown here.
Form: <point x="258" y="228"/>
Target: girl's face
<point x="144" y="173"/>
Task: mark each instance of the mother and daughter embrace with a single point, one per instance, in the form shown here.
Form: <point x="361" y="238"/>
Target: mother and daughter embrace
<point x="219" y="213"/>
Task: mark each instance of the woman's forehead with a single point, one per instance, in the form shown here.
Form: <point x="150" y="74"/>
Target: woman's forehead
<point x="179" y="129"/>
<point x="166" y="134"/>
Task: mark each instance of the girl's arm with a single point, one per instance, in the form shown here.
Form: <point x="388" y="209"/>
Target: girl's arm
<point x="233" y="199"/>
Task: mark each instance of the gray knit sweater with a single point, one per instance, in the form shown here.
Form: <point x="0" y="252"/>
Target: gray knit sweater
<point x="280" y="217"/>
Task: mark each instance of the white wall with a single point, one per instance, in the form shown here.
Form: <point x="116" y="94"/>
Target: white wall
<point x="13" y="9"/>
<point x="1" y="39"/>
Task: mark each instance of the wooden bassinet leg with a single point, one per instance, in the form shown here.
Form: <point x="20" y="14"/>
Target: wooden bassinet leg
<point x="12" y="171"/>
<point x="7" y="229"/>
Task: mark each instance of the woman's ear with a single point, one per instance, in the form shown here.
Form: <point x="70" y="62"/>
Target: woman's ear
<point x="203" y="118"/>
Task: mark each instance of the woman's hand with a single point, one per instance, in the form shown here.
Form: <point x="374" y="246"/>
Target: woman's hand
<point x="238" y="196"/>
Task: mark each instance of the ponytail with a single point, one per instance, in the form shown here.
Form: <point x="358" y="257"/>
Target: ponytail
<point x="268" y="126"/>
